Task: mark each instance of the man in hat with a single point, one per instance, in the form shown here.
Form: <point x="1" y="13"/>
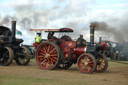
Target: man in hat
<point x="38" y="38"/>
<point x="50" y="35"/>
<point x="81" y="41"/>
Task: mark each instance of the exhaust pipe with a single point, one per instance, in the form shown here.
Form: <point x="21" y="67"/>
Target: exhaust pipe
<point x="100" y="39"/>
<point x="92" y="30"/>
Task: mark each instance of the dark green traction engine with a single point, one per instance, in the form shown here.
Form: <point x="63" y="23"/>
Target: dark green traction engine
<point x="10" y="48"/>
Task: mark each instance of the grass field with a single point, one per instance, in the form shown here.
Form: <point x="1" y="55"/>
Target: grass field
<point x="116" y="74"/>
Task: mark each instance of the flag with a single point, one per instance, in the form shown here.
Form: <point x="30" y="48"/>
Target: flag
<point x="18" y="32"/>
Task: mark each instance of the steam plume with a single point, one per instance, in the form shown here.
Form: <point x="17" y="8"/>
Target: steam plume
<point x="119" y="34"/>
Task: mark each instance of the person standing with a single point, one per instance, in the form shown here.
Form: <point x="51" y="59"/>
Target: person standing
<point x="38" y="38"/>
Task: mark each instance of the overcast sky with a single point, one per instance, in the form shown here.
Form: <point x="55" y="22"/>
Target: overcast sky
<point x="75" y="14"/>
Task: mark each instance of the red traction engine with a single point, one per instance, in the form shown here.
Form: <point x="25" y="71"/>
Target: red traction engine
<point x="62" y="52"/>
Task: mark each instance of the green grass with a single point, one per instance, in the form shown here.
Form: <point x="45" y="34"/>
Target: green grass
<point x="18" y="80"/>
<point x="124" y="61"/>
<point x="48" y="79"/>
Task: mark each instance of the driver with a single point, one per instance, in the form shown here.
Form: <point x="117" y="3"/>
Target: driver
<point x="81" y="41"/>
<point x="38" y="38"/>
<point x="50" y="35"/>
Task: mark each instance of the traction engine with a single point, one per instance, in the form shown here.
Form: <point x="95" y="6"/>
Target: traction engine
<point x="61" y="53"/>
<point x="10" y="47"/>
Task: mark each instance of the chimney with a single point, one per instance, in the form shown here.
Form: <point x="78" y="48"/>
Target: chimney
<point x="100" y="39"/>
<point x="92" y="30"/>
<point x="13" y="31"/>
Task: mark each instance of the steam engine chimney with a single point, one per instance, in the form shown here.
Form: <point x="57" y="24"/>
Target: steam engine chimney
<point x="100" y="39"/>
<point x="13" y="38"/>
<point x="92" y="29"/>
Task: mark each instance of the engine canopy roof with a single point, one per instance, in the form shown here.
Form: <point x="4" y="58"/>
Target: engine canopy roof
<point x="54" y="30"/>
<point x="5" y="31"/>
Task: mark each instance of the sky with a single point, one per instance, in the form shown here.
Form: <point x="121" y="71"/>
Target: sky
<point x="111" y="15"/>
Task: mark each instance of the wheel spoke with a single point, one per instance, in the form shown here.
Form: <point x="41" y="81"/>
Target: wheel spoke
<point x="45" y="47"/>
<point x="48" y="49"/>
<point x="47" y="57"/>
<point x="51" y="47"/>
<point x="6" y="53"/>
<point x="54" y="55"/>
<point x="84" y="67"/>
<point x="84" y="58"/>
<point x="6" y="56"/>
<point x="41" y="59"/>
<point x="101" y="64"/>
<point x="42" y="51"/>
<point x="54" y="58"/>
<point x="89" y="68"/>
<point x="41" y="56"/>
<point x="86" y="63"/>
<point x="51" y="62"/>
<point x="23" y="56"/>
<point x="52" y="51"/>
<point x="90" y="62"/>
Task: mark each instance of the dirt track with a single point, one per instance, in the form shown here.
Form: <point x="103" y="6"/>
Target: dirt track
<point x="116" y="74"/>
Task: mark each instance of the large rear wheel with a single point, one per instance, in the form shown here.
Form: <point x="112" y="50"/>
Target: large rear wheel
<point x="86" y="63"/>
<point x="48" y="55"/>
<point x="7" y="56"/>
<point x="23" y="56"/>
<point x="102" y="63"/>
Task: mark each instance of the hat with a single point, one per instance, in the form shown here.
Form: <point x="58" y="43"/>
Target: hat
<point x="38" y="32"/>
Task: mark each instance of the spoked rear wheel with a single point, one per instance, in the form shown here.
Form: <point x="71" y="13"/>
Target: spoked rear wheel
<point x="23" y="56"/>
<point x="7" y="56"/>
<point x="102" y="63"/>
<point x="86" y="63"/>
<point x="48" y="55"/>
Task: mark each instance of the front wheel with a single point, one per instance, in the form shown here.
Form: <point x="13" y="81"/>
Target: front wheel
<point x="102" y="63"/>
<point x="23" y="56"/>
<point x="86" y="63"/>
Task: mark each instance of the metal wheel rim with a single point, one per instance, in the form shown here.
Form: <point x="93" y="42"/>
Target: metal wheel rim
<point x="101" y="63"/>
<point x="22" y="59"/>
<point x="86" y="64"/>
<point x="47" y="56"/>
<point x="23" y="56"/>
<point x="7" y="56"/>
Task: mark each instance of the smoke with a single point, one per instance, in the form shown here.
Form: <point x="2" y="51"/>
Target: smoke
<point x="65" y="13"/>
<point x="32" y="15"/>
<point x="5" y="20"/>
<point x="74" y="26"/>
<point x="119" y="34"/>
